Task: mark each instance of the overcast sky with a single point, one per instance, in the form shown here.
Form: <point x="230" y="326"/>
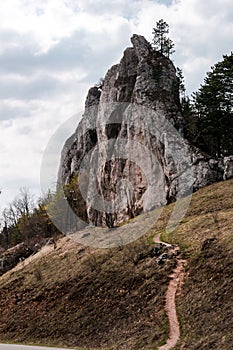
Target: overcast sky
<point x="52" y="51"/>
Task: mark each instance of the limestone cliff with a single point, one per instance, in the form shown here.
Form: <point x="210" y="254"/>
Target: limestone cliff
<point x="128" y="148"/>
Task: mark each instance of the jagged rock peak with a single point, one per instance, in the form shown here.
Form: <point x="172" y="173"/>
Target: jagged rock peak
<point x="141" y="46"/>
<point x="143" y="78"/>
<point x="93" y="97"/>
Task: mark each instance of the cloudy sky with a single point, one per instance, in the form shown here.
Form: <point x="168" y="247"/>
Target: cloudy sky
<point x="52" y="51"/>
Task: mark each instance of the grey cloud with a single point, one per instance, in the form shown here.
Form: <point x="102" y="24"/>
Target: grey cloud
<point x="24" y="130"/>
<point x="165" y="2"/>
<point x="127" y="9"/>
<point x="39" y="11"/>
<point x="22" y="59"/>
<point x="71" y="53"/>
<point x="124" y="8"/>
<point x="39" y="88"/>
<point x="7" y="113"/>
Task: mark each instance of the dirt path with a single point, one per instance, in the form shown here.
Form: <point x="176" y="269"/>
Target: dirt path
<point x="174" y="288"/>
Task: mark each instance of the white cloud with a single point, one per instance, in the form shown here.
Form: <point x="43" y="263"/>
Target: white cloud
<point x="52" y="51"/>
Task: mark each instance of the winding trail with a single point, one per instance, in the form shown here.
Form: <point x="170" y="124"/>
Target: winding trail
<point x="174" y="287"/>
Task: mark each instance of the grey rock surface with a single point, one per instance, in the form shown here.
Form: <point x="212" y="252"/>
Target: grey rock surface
<point x="128" y="148"/>
<point x="228" y="167"/>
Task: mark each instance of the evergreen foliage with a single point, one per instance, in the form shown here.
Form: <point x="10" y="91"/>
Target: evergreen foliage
<point x="161" y="42"/>
<point x="213" y="104"/>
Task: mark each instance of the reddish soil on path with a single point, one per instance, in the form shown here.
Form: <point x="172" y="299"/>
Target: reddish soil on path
<point x="174" y="288"/>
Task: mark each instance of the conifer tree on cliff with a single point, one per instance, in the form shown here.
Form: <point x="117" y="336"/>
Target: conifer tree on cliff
<point x="160" y="40"/>
<point x="214" y="108"/>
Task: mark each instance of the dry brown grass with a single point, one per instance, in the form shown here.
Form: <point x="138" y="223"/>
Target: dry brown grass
<point x="101" y="299"/>
<point x="205" y="306"/>
<point x="88" y="298"/>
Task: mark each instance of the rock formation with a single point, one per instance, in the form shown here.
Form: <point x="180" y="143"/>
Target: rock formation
<point x="128" y="150"/>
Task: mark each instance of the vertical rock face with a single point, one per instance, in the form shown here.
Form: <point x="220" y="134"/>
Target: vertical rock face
<point x="228" y="167"/>
<point x="128" y="148"/>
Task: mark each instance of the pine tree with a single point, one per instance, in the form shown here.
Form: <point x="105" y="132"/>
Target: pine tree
<point x="214" y="107"/>
<point x="161" y="42"/>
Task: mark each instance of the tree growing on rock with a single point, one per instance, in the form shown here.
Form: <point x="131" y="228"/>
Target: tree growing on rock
<point x="161" y="42"/>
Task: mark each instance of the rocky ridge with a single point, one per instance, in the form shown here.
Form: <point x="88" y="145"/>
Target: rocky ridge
<point x="128" y="149"/>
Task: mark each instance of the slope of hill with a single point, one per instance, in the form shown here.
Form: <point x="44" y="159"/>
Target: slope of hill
<point x="114" y="298"/>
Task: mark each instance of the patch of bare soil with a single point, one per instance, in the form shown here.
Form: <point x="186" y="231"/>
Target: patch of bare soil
<point x="174" y="287"/>
<point x="207" y="299"/>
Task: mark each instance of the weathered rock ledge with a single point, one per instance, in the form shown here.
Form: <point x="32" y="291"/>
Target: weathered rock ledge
<point x="130" y="137"/>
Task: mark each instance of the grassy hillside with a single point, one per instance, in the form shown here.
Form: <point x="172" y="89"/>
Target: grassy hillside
<point x="114" y="299"/>
<point x="206" y="304"/>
